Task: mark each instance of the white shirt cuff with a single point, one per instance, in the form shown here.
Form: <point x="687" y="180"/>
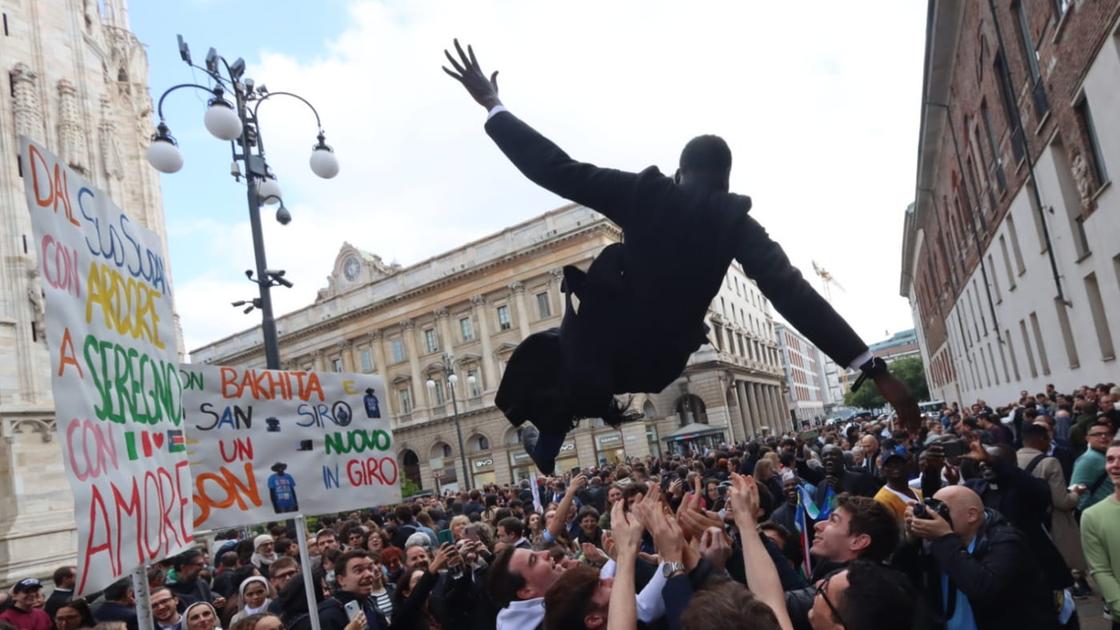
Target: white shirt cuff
<point x="608" y="570"/>
<point x="858" y="361"/>
<point x="650" y="605"/>
<point x="495" y="110"/>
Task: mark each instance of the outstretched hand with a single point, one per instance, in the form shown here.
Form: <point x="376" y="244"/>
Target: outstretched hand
<point x="467" y="72"/>
<point x="898" y="395"/>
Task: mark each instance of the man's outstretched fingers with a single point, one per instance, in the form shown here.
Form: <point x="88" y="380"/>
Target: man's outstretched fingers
<point x="452" y="74"/>
<point x="454" y="63"/>
<point x="470" y="53"/>
<point x="494" y="80"/>
<point x="462" y="55"/>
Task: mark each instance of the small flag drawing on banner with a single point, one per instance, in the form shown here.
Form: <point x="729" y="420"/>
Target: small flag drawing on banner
<point x="138" y="446"/>
<point x="176" y="443"/>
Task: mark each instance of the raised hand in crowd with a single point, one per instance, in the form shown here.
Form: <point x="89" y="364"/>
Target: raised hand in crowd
<point x="762" y="576"/>
<point x="627" y="532"/>
<point x="715" y="546"/>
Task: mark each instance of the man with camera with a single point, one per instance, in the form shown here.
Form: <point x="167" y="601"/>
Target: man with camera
<point x="977" y="570"/>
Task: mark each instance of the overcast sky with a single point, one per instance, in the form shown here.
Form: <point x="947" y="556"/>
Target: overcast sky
<point x="818" y="100"/>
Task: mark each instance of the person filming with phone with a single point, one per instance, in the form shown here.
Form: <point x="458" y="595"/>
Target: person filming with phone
<point x="977" y="570"/>
<point x="353" y="606"/>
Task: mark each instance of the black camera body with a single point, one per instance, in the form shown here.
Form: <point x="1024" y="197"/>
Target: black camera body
<point x="922" y="510"/>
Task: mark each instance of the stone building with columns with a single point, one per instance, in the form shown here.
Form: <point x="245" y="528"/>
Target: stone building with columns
<point x="804" y="367"/>
<point x="464" y="311"/>
<point x="76" y="83"/>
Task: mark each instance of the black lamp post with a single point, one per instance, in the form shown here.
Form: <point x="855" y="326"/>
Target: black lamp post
<point x="238" y="123"/>
<point x="452" y="381"/>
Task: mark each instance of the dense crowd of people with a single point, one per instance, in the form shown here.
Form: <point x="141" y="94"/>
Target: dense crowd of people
<point x="985" y="518"/>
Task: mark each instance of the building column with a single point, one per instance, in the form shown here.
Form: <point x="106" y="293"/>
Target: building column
<point x="741" y="401"/>
<point x="518" y="291"/>
<point x="557" y="278"/>
<point x="320" y="360"/>
<point x="346" y="351"/>
<point x="746" y="390"/>
<point x="782" y="419"/>
<point x="489" y="370"/>
<point x="419" y="392"/>
<point x="732" y="433"/>
<point x="375" y="341"/>
<point x="443" y="329"/>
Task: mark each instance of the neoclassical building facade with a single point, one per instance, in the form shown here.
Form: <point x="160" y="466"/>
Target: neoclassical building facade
<point x="463" y="312"/>
<point x="76" y="83"/>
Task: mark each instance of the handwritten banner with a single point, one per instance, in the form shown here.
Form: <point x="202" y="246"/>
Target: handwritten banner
<point x="110" y="330"/>
<point x="267" y="444"/>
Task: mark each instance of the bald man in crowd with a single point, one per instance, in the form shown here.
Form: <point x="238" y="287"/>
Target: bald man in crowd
<point x="984" y="562"/>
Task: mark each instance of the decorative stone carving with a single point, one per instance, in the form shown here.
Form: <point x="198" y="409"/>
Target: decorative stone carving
<point x="1080" y="168"/>
<point x="26" y="106"/>
<point x="71" y="136"/>
<point x="38" y="301"/>
<point x="478" y="300"/>
<point x="441" y="313"/>
<point x="408" y="324"/>
<point x="111" y="158"/>
<point x="517" y="287"/>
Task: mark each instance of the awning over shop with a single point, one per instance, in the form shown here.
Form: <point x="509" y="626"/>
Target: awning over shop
<point x="693" y="431"/>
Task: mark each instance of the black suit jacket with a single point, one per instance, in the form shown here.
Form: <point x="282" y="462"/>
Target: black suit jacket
<point x="643" y="302"/>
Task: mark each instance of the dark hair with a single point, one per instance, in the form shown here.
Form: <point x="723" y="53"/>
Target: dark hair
<point x="569" y="599"/>
<point x="63" y="573"/>
<point x="82" y="606"/>
<point x="634" y="489"/>
<point x="727" y="603"/>
<point x="877" y="597"/>
<point x="118" y="591"/>
<point x="292" y="599"/>
<point x="281" y="563"/>
<point x="187" y="557"/>
<point x="1033" y="431"/>
<point x="240" y="574"/>
<point x="870" y="517"/>
<point x="282" y="546"/>
<point x="228" y="559"/>
<point x="344" y="559"/>
<point x="512" y="525"/>
<point x="706" y="154"/>
<point x="503" y="583"/>
<point x="403" y="514"/>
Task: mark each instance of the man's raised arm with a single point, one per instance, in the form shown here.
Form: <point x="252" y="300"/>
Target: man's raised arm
<point x="608" y="191"/>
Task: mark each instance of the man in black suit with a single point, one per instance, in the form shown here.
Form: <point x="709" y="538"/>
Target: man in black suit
<point x="637" y="313"/>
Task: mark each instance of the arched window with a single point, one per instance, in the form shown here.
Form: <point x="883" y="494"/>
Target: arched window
<point x="690" y="409"/>
<point x="410" y="465"/>
<point x="648" y="410"/>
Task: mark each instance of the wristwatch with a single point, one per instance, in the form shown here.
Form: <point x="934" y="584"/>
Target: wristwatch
<point x="671" y="569"/>
<point x="873" y="367"/>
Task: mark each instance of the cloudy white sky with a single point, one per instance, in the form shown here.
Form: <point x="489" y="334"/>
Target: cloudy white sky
<point x="818" y="100"/>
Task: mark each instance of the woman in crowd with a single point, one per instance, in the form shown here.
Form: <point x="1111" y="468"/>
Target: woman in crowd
<point x="254" y="593"/>
<point x="410" y="602"/>
<point x="589" y="531"/>
<point x="376" y="541"/>
<point x="765" y="473"/>
<point x="458" y="526"/>
<point x="391" y="564"/>
<point x="534" y="530"/>
<point x="200" y="616"/>
<point x="259" y="621"/>
<point x="74" y="615"/>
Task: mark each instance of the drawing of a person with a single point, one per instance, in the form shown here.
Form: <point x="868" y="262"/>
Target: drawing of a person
<point x="282" y="489"/>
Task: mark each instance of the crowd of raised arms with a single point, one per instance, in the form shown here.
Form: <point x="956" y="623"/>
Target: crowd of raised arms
<point x="987" y="518"/>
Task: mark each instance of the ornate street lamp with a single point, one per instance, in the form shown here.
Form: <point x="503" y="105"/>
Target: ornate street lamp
<point x="238" y="123"/>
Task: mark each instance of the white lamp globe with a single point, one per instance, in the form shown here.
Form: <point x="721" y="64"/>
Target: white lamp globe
<point x="324" y="163"/>
<point x="454" y="379"/>
<point x="268" y="191"/>
<point x="431" y="385"/>
<point x="221" y="121"/>
<point x="164" y="156"/>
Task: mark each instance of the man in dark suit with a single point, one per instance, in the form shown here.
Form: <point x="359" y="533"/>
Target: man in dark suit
<point x="637" y="313"/>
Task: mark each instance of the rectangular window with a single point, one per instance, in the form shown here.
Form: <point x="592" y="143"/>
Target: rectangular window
<point x="1015" y="249"/>
<point x="474" y="382"/>
<point x="366" y="359"/>
<point x="404" y="396"/>
<point x="6" y="25"/>
<point x="431" y="341"/>
<point x="1071" y="199"/>
<point x="437" y="392"/>
<point x="504" y="322"/>
<point x="1011" y="351"/>
<point x="1039" y="343"/>
<point x="336" y="364"/>
<point x="995" y="279"/>
<point x="1027" y="345"/>
<point x="396" y="350"/>
<point x="544" y="305"/>
<point x="1096" y="164"/>
<point x="1100" y="317"/>
<point x="1067" y="332"/>
<point x="1030" y="55"/>
<point x="1007" y="96"/>
<point x="997" y="159"/>
<point x="466" y="329"/>
<point x="1003" y="359"/>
